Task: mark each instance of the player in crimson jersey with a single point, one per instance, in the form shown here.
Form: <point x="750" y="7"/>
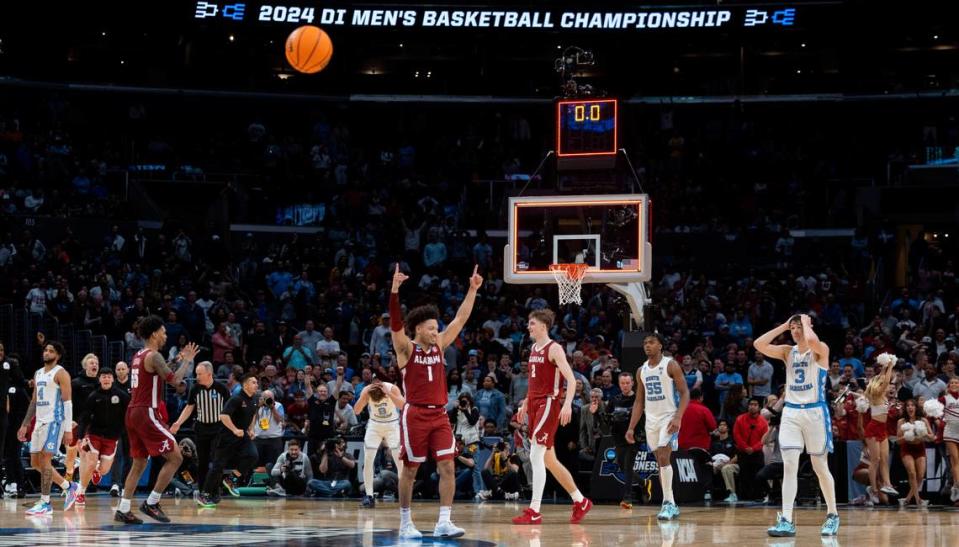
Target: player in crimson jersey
<point x="425" y="429"/>
<point x="547" y="370"/>
<point x="148" y="435"/>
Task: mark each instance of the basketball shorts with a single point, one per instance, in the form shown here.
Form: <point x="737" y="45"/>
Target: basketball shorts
<point x="544" y="418"/>
<point x="657" y="432"/>
<point x="101" y="446"/>
<point x="46" y="437"/>
<point x="806" y="428"/>
<point x="426" y="433"/>
<point x="147" y="434"/>
<point x="377" y="431"/>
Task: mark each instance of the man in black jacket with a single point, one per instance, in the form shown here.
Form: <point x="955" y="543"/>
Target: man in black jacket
<point x="83" y="385"/>
<point x="619" y="410"/>
<point x="100" y="426"/>
<point x="319" y="426"/>
<point x="235" y="446"/>
<point x="11" y="380"/>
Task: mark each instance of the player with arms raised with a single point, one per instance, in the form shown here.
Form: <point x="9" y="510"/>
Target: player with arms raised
<point x="547" y="364"/>
<point x="805" y="421"/>
<point x="425" y="427"/>
<point x="148" y="435"/>
<point x="662" y="393"/>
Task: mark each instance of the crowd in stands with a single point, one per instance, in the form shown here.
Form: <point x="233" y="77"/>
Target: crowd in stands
<point x="306" y="313"/>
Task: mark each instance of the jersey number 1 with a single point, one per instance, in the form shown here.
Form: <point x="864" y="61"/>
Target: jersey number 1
<point x="429" y="372"/>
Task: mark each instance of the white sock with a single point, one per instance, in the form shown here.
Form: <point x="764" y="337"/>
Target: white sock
<point x="65" y="484"/>
<point x="444" y="514"/>
<point x="45" y="498"/>
<point x="124" y="506"/>
<point x="369" y="456"/>
<point x="577" y="496"/>
<point x="82" y="490"/>
<point x="820" y="465"/>
<point x="154" y="498"/>
<point x="666" y="481"/>
<point x="537" y="459"/>
<point x="405" y="516"/>
<point x="790" y="481"/>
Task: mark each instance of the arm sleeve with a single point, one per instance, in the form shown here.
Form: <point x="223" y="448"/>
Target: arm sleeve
<point x="396" y="314"/>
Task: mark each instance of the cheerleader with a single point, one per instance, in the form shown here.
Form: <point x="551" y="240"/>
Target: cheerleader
<point x="950" y="434"/>
<point x="914" y="432"/>
<point x="875" y="431"/>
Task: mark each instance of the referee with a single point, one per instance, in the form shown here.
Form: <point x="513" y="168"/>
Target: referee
<point x="208" y="397"/>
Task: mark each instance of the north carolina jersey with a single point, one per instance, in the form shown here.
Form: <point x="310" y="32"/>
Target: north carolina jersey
<point x="384" y="411"/>
<point x="146" y="388"/>
<point x="661" y="396"/>
<point x="424" y="377"/>
<point x="49" y="401"/>
<point x="544" y="377"/>
<point x="805" y="379"/>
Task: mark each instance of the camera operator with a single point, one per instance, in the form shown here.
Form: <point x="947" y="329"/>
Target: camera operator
<point x="291" y="472"/>
<point x="335" y="467"/>
<point x="268" y="431"/>
<point x="501" y="473"/>
<point x="619" y="411"/>
<point x="465" y="421"/>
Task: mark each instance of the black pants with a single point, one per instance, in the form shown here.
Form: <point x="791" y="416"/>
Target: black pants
<point x="749" y="466"/>
<point x="123" y="462"/>
<point x="294" y="484"/>
<point x="626" y="460"/>
<point x="239" y="455"/>
<point x="268" y="450"/>
<point x="206" y="440"/>
<point x="507" y="483"/>
<point x="772" y="472"/>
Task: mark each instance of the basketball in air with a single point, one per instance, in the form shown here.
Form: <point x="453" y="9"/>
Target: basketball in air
<point x="309" y="49"/>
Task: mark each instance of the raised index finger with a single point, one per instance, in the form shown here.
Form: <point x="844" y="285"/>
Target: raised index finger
<point x="397" y="267"/>
<point x="475" y="268"/>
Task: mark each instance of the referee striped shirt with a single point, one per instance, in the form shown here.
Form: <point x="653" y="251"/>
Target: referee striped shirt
<point x="208" y="402"/>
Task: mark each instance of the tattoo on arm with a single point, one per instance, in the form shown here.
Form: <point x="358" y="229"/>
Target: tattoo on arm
<point x="163" y="369"/>
<point x="31" y="412"/>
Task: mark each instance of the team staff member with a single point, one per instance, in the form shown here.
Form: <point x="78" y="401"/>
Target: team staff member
<point x="235" y="446"/>
<point x="83" y="385"/>
<point x="100" y="425"/>
<point x="619" y="410"/>
<point x="10" y="377"/>
<point x="207" y="397"/>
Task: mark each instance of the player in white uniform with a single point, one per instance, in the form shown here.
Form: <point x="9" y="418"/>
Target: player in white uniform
<point x="53" y="409"/>
<point x="384" y="400"/>
<point x="805" y="421"/>
<point x="662" y="393"/>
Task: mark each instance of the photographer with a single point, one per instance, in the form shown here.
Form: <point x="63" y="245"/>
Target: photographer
<point x="268" y="431"/>
<point x="619" y="412"/>
<point x="465" y="421"/>
<point x="291" y="472"/>
<point x="335" y="467"/>
<point x="501" y="474"/>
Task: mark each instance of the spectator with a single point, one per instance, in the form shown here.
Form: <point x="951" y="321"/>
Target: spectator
<point x="735" y="403"/>
<point x="319" y="425"/>
<point x="593" y="424"/>
<point x="606" y="384"/>
<point x="930" y="387"/>
<point x="748" y="433"/>
<point x="327" y="349"/>
<point x="454" y="381"/>
<point x="380" y="340"/>
<point x="344" y="416"/>
<point x="519" y="384"/>
<point x="491" y="403"/>
<point x="222" y="342"/>
<point x="434" y="253"/>
<point x="268" y="429"/>
<point x="760" y="376"/>
<point x="309" y="337"/>
<point x="335" y="467"/>
<point x="848" y="358"/>
<point x="501" y="474"/>
<point x="177" y="401"/>
<point x="726" y="381"/>
<point x="291" y="472"/>
<point x="694" y="378"/>
<point x="698" y="424"/>
<point x="725" y="458"/>
<point x="298" y="355"/>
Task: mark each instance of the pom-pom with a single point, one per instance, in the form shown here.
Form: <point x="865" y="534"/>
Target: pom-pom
<point x="862" y="405"/>
<point x="933" y="408"/>
<point x="907" y="427"/>
<point x="886" y="359"/>
<point x="920" y="429"/>
<point x="909" y="435"/>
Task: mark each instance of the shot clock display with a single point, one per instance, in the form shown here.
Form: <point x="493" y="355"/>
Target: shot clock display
<point x="586" y="128"/>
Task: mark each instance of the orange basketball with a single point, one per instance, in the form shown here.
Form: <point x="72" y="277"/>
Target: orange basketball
<point x="309" y="49"/>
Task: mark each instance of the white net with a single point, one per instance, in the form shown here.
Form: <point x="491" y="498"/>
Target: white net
<point x="569" y="278"/>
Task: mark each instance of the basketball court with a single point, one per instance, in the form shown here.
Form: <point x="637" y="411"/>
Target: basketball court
<point x="341" y="523"/>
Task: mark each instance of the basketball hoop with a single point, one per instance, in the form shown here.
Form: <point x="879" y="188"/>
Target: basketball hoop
<point x="569" y="277"/>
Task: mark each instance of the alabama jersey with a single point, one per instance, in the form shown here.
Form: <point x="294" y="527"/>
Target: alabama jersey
<point x="424" y="377"/>
<point x="146" y="388"/>
<point x="544" y="377"/>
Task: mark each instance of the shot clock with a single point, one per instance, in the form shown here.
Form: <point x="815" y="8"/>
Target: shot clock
<point x="586" y="132"/>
